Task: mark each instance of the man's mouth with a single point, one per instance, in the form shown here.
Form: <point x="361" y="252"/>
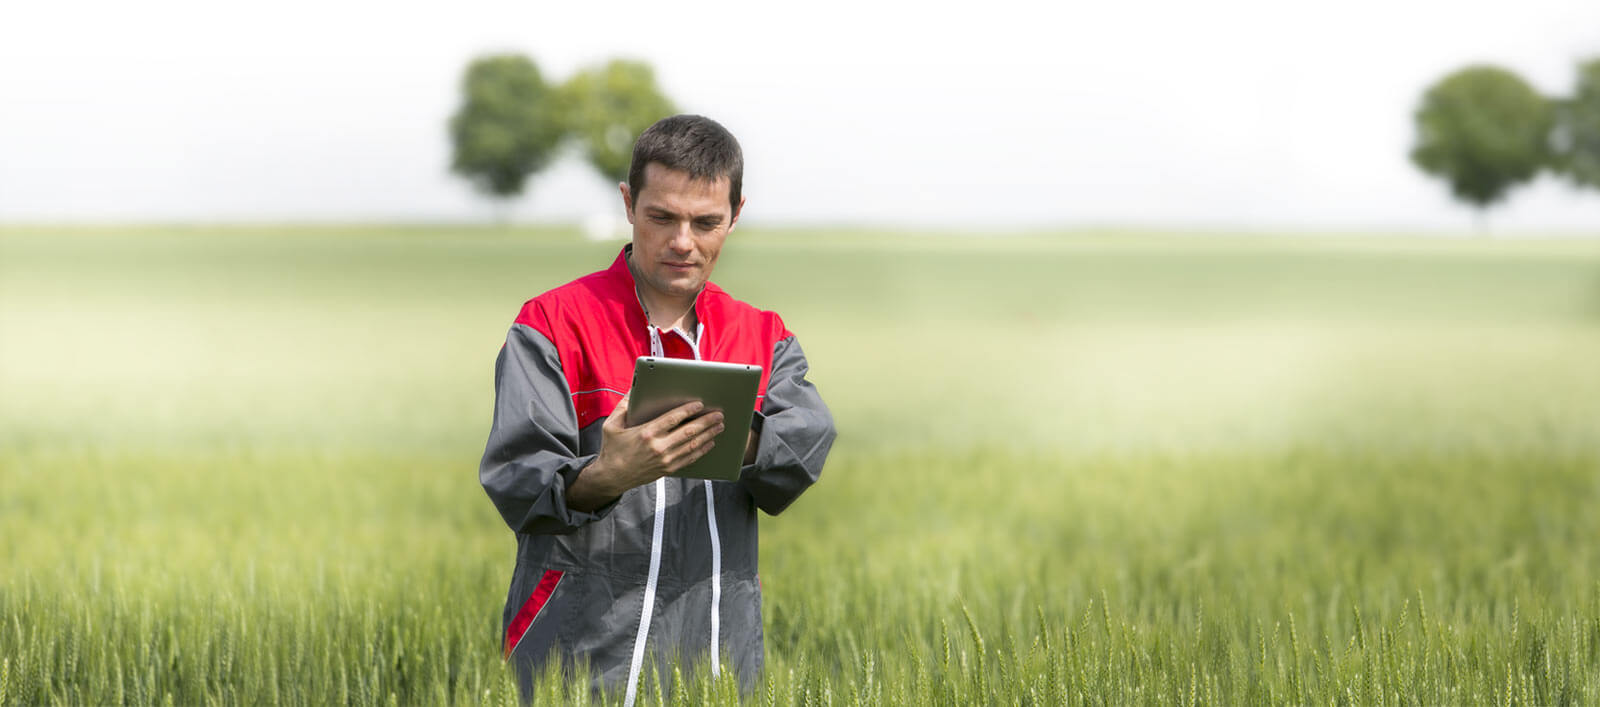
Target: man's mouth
<point x="680" y="266"/>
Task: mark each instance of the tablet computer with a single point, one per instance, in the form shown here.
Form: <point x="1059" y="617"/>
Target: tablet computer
<point x="661" y="384"/>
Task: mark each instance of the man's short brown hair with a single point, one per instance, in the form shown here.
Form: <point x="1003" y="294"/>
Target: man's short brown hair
<point x="691" y="143"/>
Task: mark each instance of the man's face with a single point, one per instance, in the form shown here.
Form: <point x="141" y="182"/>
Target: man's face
<point x="679" y="224"/>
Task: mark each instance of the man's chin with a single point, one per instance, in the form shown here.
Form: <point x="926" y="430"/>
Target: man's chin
<point x="680" y="286"/>
<point x="684" y="285"/>
<point x="687" y="289"/>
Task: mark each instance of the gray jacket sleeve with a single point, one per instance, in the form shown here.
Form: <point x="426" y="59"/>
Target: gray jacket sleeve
<point x="795" y="432"/>
<point x="532" y="453"/>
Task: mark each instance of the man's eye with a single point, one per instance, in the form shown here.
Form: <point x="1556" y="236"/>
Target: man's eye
<point x="660" y="219"/>
<point x="706" y="225"/>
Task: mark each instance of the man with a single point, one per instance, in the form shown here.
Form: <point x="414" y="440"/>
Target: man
<point x="616" y="558"/>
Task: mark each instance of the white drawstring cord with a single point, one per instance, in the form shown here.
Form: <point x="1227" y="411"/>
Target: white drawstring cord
<point x="656" y="349"/>
<point x="655" y="568"/>
<point x="649" y="592"/>
<point x="716" y="546"/>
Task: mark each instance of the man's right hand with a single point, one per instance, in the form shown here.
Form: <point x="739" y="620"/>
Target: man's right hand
<point x="638" y="455"/>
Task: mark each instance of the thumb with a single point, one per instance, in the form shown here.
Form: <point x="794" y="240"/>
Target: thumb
<point x="620" y="412"/>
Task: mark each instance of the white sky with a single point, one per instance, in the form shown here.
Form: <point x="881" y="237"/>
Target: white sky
<point x="995" y="114"/>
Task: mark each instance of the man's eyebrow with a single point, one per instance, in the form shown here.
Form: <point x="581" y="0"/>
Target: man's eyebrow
<point x="712" y="219"/>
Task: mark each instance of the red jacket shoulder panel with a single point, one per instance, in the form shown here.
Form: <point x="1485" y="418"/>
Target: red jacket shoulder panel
<point x="738" y="332"/>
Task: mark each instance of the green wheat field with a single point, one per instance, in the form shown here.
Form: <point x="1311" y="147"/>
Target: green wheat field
<point x="238" y="466"/>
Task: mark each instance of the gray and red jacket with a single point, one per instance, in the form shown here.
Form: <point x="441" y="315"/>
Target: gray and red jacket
<point x="669" y="568"/>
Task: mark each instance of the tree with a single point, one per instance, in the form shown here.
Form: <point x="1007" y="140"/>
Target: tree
<point x="1483" y="130"/>
<point x="1577" y="129"/>
<point x="609" y="106"/>
<point x="509" y="125"/>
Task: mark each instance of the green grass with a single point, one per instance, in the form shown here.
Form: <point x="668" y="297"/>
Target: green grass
<point x="239" y="466"/>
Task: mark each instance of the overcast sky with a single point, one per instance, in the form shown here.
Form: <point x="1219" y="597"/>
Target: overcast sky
<point x="999" y="114"/>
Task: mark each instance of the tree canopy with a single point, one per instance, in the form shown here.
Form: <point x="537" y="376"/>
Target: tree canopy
<point x="509" y="125"/>
<point x="609" y="105"/>
<point x="1483" y="130"/>
<point x="1577" y="129"/>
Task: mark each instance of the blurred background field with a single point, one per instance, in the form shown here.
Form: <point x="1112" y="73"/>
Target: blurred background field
<point x="239" y="465"/>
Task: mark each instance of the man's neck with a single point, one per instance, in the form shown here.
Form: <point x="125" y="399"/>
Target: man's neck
<point x="668" y="314"/>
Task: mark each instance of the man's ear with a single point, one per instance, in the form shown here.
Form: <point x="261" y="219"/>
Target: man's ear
<point x="736" y="213"/>
<point x="627" y="200"/>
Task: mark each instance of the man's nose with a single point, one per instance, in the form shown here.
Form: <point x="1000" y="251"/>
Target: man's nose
<point x="682" y="239"/>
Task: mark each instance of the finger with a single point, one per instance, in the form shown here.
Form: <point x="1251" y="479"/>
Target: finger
<point x="620" y="412"/>
<point x="690" y="457"/>
<point x="690" y="431"/>
<point x="702" y="437"/>
<point x="687" y="436"/>
<point x="692" y="447"/>
<point x="674" y="417"/>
